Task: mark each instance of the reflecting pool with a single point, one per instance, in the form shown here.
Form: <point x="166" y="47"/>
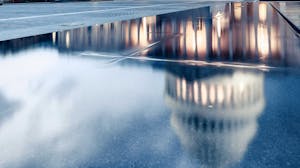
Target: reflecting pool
<point x="215" y="87"/>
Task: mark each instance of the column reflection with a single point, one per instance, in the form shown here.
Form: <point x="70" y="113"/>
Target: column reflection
<point x="107" y="37"/>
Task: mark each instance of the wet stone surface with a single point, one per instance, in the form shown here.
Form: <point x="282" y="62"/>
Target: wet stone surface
<point x="216" y="86"/>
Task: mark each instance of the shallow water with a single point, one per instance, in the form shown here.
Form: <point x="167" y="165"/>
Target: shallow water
<point x="211" y="87"/>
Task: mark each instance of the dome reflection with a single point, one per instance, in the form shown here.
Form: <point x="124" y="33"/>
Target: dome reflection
<point x="215" y="116"/>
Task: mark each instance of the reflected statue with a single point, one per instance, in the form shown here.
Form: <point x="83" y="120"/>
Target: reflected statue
<point x="214" y="112"/>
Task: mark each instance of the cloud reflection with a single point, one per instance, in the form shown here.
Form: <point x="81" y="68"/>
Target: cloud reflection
<point x="67" y="115"/>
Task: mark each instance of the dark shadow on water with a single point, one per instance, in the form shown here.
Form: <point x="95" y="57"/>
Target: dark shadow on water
<point x="7" y="108"/>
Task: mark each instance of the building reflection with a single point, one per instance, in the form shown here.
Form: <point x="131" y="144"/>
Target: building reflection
<point x="214" y="112"/>
<point x="242" y="31"/>
<point x="248" y="32"/>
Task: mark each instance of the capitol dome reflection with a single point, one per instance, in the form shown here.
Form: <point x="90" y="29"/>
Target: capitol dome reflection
<point x="214" y="113"/>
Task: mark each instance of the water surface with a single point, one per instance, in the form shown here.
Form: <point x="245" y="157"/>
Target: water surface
<point x="211" y="87"/>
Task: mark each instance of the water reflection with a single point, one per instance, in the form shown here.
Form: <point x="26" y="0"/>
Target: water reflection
<point x="61" y="112"/>
<point x="243" y="32"/>
<point x="70" y="105"/>
<point x="214" y="114"/>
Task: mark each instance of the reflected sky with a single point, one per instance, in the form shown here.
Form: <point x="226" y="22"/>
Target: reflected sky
<point x="155" y="92"/>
